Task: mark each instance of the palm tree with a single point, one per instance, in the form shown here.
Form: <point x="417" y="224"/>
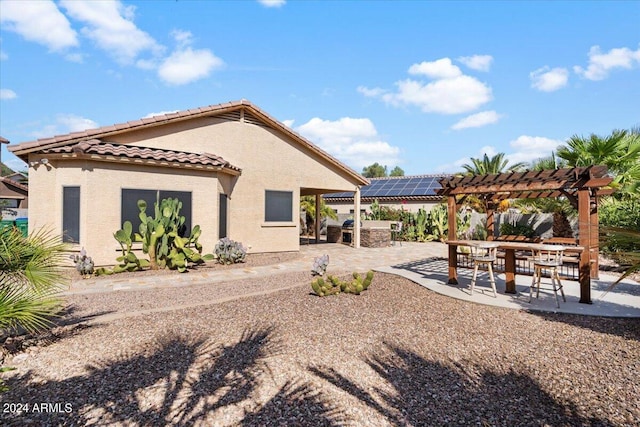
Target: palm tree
<point x="308" y="204"/>
<point x="620" y="152"/>
<point x="30" y="279"/>
<point x="548" y="163"/>
<point x="494" y="165"/>
<point x="488" y="165"/>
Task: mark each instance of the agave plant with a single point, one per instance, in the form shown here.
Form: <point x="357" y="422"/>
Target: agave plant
<point x="30" y="279"/>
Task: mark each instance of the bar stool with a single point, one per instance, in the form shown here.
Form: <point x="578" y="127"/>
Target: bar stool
<point x="547" y="258"/>
<point x="484" y="253"/>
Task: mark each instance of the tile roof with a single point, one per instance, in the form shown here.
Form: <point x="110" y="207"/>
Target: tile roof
<point x="22" y="150"/>
<point x="11" y="182"/>
<point x="101" y="148"/>
<point x="3" y="140"/>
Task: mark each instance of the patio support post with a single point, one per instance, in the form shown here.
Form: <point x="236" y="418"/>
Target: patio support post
<point x="356" y="218"/>
<point x="584" y="239"/>
<point x="318" y="218"/>
<point x="491" y="220"/>
<point x="452" y="212"/>
<point x="595" y="238"/>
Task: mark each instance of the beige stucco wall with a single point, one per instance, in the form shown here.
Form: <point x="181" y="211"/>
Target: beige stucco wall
<point x="268" y="161"/>
<point x="101" y="187"/>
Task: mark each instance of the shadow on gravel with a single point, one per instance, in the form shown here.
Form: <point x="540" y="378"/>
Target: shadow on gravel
<point x="425" y="392"/>
<point x="628" y="328"/>
<point x="178" y="381"/>
<point x="68" y="316"/>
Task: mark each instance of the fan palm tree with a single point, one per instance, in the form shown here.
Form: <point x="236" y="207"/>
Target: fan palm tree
<point x="620" y="152"/>
<point x="491" y="165"/>
<point x="308" y="204"/>
<point x="488" y="165"/>
<point x="30" y="279"/>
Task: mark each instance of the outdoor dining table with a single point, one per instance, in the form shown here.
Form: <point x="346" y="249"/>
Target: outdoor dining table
<point x="510" y="248"/>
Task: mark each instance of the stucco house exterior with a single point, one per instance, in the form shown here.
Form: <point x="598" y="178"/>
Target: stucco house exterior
<point x="238" y="171"/>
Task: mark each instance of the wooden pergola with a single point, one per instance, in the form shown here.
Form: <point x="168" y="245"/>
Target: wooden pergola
<point x="580" y="186"/>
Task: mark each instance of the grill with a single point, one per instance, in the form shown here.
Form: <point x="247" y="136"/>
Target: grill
<point x="347" y="231"/>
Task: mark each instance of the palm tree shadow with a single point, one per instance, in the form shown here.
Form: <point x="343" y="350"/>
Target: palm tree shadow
<point x="425" y="392"/>
<point x="179" y="382"/>
<point x="297" y="404"/>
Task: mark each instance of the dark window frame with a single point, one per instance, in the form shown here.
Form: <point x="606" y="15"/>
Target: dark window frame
<point x="71" y="218"/>
<point x="278" y="213"/>
<point x="129" y="208"/>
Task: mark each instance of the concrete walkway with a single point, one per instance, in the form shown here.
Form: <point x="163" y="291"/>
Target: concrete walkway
<point x="423" y="263"/>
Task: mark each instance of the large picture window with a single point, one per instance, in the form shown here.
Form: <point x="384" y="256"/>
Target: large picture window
<point x="71" y="214"/>
<point x="278" y="206"/>
<point x="129" y="206"/>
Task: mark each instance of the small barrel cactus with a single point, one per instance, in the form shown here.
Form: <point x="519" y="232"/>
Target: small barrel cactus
<point x="228" y="251"/>
<point x="334" y="285"/>
<point x="320" y="265"/>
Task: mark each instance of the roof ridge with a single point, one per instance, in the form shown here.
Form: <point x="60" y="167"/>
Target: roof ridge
<point x="433" y="175"/>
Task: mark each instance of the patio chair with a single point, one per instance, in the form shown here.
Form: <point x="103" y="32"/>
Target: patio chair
<point x="547" y="258"/>
<point x="484" y="254"/>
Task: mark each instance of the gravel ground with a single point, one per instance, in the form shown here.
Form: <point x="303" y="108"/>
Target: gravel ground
<point x="397" y="354"/>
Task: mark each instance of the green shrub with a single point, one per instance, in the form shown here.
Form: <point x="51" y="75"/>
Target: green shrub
<point x="507" y="229"/>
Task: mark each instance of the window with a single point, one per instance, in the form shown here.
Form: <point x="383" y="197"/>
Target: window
<point x="222" y="217"/>
<point x="71" y="214"/>
<point x="129" y="206"/>
<point x="278" y="206"/>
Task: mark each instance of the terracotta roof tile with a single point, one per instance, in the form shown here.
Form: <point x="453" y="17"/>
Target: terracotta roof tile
<point x="97" y="147"/>
<point x="13" y="183"/>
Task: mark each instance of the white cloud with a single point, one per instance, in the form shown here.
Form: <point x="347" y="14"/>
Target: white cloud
<point x="477" y="120"/>
<point x="38" y="21"/>
<point x="6" y="94"/>
<point x="525" y="149"/>
<point x="352" y="140"/>
<point x="288" y="123"/>
<point x="370" y="92"/>
<point x="65" y="123"/>
<point x="450" y="92"/>
<point x="601" y="63"/>
<point x="272" y="3"/>
<point x="446" y="96"/>
<point x="160" y="113"/>
<point x="188" y="65"/>
<point x="110" y="25"/>
<point x="477" y="62"/>
<point x="439" y="69"/>
<point x="546" y="79"/>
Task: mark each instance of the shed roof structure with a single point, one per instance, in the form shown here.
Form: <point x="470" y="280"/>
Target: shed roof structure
<point x="581" y="186"/>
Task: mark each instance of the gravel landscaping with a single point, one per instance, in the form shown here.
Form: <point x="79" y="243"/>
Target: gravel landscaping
<point x="245" y="353"/>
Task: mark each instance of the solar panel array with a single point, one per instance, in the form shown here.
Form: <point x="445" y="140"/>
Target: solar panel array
<point x="396" y="187"/>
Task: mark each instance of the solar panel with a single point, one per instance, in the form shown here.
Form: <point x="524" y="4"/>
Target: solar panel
<point x="396" y="187"/>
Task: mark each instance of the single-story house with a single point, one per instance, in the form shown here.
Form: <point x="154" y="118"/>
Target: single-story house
<point x="13" y="194"/>
<point x="238" y="172"/>
<point x="399" y="192"/>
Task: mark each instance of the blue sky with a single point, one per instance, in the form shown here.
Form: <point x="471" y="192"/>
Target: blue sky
<point x="422" y="85"/>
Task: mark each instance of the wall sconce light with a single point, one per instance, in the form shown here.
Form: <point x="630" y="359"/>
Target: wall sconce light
<point x="40" y="162"/>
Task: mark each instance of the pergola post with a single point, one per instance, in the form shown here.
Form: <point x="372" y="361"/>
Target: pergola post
<point x="491" y="220"/>
<point x="452" y="212"/>
<point x="594" y="248"/>
<point x="584" y="240"/>
<point x="356" y="218"/>
<point x="318" y="217"/>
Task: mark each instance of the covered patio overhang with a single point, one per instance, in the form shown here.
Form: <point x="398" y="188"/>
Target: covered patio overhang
<point x="580" y="186"/>
<point x="317" y="193"/>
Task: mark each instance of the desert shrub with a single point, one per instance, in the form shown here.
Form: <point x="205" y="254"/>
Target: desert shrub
<point x="228" y="251"/>
<point x="508" y="229"/>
